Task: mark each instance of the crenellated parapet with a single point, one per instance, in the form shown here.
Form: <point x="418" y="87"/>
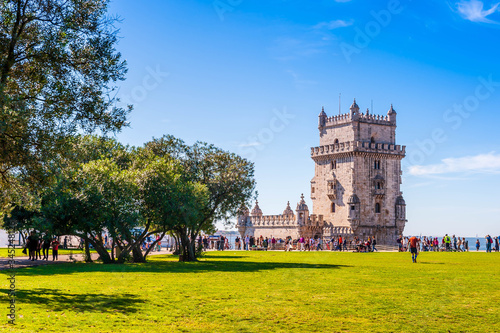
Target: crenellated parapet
<point x="358" y="146"/>
<point x="271" y="220"/>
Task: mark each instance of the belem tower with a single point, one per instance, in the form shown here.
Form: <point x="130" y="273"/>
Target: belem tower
<point x="356" y="185"/>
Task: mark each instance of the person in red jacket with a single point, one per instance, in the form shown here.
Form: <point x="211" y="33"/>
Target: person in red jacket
<point x="413" y="248"/>
<point x="55" y="247"/>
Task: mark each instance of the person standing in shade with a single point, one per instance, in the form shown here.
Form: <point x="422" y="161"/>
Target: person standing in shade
<point x="55" y="247"/>
<point x="46" y="247"/>
<point x="413" y="242"/>
<point x="374" y="242"/>
<point x="32" y="245"/>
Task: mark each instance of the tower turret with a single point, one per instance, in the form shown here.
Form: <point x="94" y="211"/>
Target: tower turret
<point x="392" y="115"/>
<point x="302" y="211"/>
<point x="354" y="110"/>
<point x="322" y="118"/>
<point x="243" y="216"/>
<point x="354" y="214"/>
<point x="288" y="210"/>
<point x="400" y="214"/>
<point x="256" y="211"/>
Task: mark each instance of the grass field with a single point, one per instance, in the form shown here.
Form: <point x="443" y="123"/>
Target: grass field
<point x="4" y="252"/>
<point x="265" y="292"/>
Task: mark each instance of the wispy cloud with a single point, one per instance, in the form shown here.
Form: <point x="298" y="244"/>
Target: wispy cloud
<point x="249" y="144"/>
<point x="299" y="82"/>
<point x="472" y="10"/>
<point x="483" y="163"/>
<point x="288" y="48"/>
<point x="330" y="25"/>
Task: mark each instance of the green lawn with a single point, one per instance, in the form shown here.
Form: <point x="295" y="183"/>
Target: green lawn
<point x="4" y="252"/>
<point x="265" y="292"/>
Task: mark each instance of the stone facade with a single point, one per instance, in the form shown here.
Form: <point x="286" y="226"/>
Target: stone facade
<point x="356" y="185"/>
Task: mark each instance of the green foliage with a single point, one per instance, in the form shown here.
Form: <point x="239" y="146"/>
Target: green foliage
<point x="219" y="182"/>
<point x="58" y="73"/>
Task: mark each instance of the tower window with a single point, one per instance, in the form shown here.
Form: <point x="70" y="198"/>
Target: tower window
<point x="312" y="189"/>
<point x="372" y="140"/>
<point x="376" y="165"/>
<point x="379" y="186"/>
<point x="333" y="165"/>
<point x="353" y="207"/>
<point x="377" y="208"/>
<point x="336" y="141"/>
<point x="333" y="207"/>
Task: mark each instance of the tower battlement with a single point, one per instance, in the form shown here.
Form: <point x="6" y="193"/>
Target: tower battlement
<point x="363" y="117"/>
<point x="358" y="146"/>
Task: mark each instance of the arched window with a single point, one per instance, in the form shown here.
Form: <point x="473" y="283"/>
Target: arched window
<point x="333" y="207"/>
<point x="377" y="208"/>
<point x="336" y="141"/>
<point x="379" y="186"/>
<point x="376" y="165"/>
<point x="372" y="140"/>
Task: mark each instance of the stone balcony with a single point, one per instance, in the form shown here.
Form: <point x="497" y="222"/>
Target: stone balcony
<point x="379" y="193"/>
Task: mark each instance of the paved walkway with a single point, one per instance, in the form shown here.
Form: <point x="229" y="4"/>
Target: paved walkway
<point x="22" y="262"/>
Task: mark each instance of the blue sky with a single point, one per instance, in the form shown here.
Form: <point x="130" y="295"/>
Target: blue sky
<point x="251" y="77"/>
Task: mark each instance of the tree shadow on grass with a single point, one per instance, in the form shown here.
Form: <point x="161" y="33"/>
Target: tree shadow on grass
<point x="56" y="300"/>
<point x="207" y="266"/>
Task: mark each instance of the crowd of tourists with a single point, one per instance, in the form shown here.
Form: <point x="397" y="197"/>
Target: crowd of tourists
<point x="342" y="243"/>
<point x="447" y="243"/>
<point x="336" y="243"/>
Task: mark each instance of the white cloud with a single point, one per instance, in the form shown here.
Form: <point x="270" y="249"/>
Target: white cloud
<point x="333" y="24"/>
<point x="472" y="10"/>
<point x="249" y="144"/>
<point x="483" y="163"/>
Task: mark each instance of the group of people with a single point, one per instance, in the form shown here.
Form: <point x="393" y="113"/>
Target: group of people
<point x="446" y="243"/>
<point x="336" y="243"/>
<point x="220" y="243"/>
<point x="491" y="243"/>
<point x="35" y="244"/>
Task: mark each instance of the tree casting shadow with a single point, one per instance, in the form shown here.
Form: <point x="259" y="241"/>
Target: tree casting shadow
<point x="210" y="265"/>
<point x="56" y="300"/>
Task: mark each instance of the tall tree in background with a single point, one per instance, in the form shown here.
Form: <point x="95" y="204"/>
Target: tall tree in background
<point x="224" y="180"/>
<point x="58" y="70"/>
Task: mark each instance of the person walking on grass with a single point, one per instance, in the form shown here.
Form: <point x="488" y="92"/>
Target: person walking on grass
<point x="478" y="244"/>
<point x="55" y="247"/>
<point x="413" y="242"/>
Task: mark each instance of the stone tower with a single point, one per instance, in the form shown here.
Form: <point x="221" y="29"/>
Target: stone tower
<point x="357" y="178"/>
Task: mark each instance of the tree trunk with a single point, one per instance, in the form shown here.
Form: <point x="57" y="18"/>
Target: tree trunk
<point x="103" y="253"/>
<point x="137" y="254"/>
<point x="187" y="248"/>
<point x="88" y="258"/>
